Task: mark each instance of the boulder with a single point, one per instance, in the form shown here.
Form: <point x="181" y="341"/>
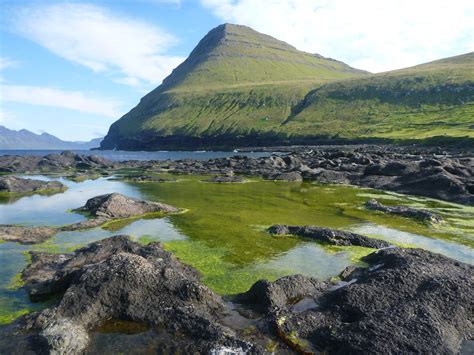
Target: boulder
<point x="406" y="301"/>
<point x="116" y="205"/>
<point x="329" y="236"/>
<point x="120" y="279"/>
<point x="25" y="234"/>
<point x="404" y="211"/>
<point x="16" y="184"/>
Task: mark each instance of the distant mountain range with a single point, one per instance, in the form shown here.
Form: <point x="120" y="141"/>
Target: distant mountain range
<point x="239" y="87"/>
<point x="24" y="139"/>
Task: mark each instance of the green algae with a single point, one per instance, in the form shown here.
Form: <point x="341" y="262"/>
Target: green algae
<point x="223" y="232"/>
<point x="120" y="223"/>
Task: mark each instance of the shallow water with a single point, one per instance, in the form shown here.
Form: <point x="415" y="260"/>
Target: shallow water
<point x="223" y="235"/>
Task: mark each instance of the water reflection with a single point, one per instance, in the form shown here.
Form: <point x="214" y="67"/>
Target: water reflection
<point x="452" y="250"/>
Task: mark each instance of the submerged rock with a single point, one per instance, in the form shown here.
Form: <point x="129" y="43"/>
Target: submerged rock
<point x="25" y="234"/>
<point x="407" y="301"/>
<point x="16" y="184"/>
<point x="116" y="205"/>
<point x="404" y="211"/>
<point x="226" y="179"/>
<point x="119" y="279"/>
<point x="330" y="236"/>
<point x="287" y="176"/>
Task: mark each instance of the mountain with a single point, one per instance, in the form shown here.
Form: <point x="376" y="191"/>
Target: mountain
<point x="240" y="87"/>
<point x="24" y="139"/>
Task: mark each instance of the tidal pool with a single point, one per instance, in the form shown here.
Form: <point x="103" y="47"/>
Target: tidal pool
<point x="222" y="234"/>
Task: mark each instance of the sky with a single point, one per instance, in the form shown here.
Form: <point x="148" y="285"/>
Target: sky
<point x="72" y="68"/>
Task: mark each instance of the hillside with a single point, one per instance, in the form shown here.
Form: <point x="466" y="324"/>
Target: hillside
<point x="428" y="100"/>
<point x="239" y="87"/>
<point x="235" y="82"/>
<point x="24" y="139"/>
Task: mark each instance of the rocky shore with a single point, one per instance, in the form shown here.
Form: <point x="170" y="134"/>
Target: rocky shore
<point x="405" y="301"/>
<point x="429" y="172"/>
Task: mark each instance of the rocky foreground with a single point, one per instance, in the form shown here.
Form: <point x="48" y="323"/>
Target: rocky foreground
<point x="420" y="171"/>
<point x="405" y="301"/>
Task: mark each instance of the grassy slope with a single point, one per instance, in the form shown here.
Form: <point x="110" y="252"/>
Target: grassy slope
<point x="238" y="81"/>
<point x="235" y="80"/>
<point x="433" y="99"/>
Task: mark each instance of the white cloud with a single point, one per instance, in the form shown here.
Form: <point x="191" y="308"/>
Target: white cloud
<point x="132" y="51"/>
<point x="7" y="63"/>
<point x="73" y="100"/>
<point x="369" y="34"/>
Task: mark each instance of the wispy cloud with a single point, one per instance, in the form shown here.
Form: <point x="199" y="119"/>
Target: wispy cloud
<point x="369" y="34"/>
<point x="73" y="100"/>
<point x="133" y="52"/>
<point x="7" y="63"/>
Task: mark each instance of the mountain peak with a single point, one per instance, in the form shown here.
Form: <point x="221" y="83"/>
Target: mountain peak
<point x="231" y="54"/>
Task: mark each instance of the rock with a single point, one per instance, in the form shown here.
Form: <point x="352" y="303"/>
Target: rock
<point x="116" y="205"/>
<point x="406" y="301"/>
<point x="21" y="185"/>
<point x="226" y="179"/>
<point x="288" y="176"/>
<point x="329" y="236"/>
<point x="120" y="279"/>
<point x="25" y="234"/>
<point x="147" y="178"/>
<point x="404" y="211"/>
<point x="265" y="296"/>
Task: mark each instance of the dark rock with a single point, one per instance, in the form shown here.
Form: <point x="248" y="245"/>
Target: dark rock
<point x="120" y="279"/>
<point x="404" y="211"/>
<point x="116" y="205"/>
<point x="21" y="185"/>
<point x="288" y="176"/>
<point x="265" y="296"/>
<point x="24" y="234"/>
<point x="330" y="236"/>
<point x="226" y="179"/>
<point x="407" y="301"/>
<point x="147" y="178"/>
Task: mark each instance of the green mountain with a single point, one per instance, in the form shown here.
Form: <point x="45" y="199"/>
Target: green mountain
<point x="240" y="87"/>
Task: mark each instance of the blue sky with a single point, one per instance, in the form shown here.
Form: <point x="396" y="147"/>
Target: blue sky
<point x="72" y="68"/>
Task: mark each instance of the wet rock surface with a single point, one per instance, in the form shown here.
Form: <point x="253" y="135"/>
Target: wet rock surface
<point x="20" y="185"/>
<point x="407" y="301"/>
<point x="24" y="234"/>
<point x="404" y="211"/>
<point x="120" y="279"/>
<point x="116" y="205"/>
<point x="329" y="236"/>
